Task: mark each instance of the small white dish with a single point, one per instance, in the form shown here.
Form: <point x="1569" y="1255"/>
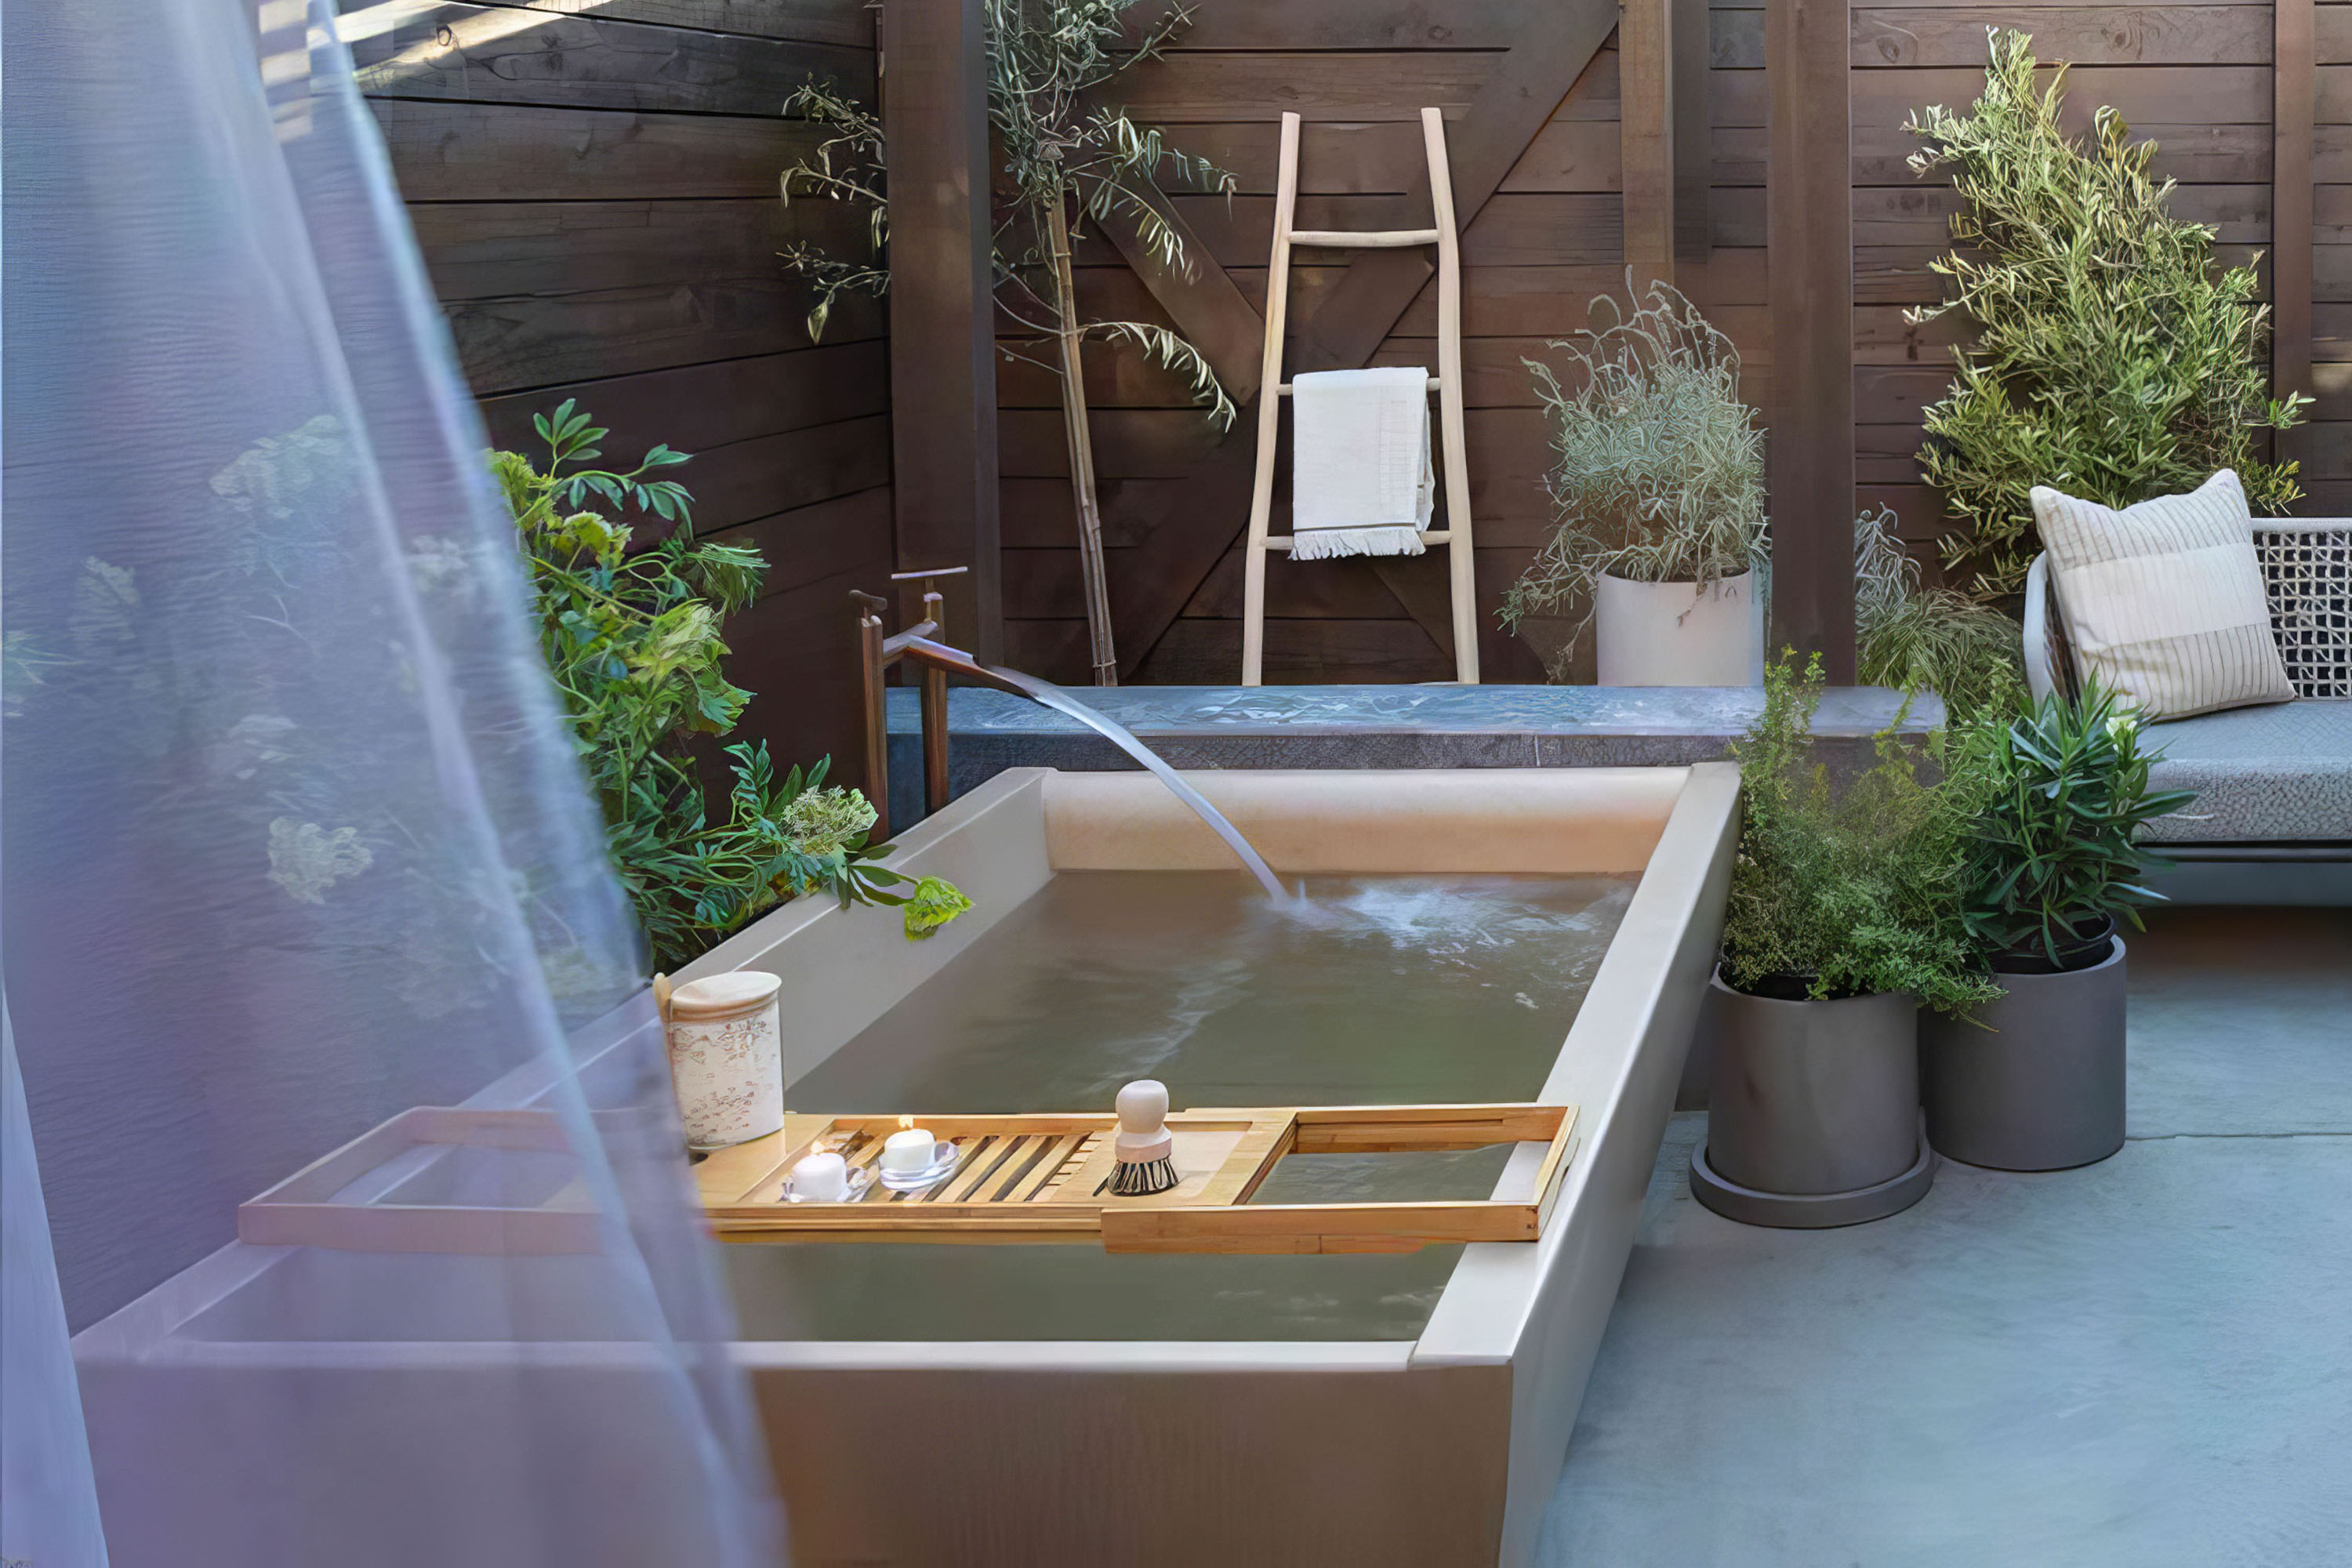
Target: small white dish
<point x="861" y="1181"/>
<point x="930" y="1175"/>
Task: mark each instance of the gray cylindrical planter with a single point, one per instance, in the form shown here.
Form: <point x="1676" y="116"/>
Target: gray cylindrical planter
<point x="1813" y="1112"/>
<point x="2041" y="1086"/>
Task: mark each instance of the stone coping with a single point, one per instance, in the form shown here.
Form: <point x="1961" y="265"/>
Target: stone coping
<point x="1372" y="727"/>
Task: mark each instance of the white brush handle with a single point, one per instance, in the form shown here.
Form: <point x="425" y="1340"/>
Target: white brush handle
<point x="1143" y="1122"/>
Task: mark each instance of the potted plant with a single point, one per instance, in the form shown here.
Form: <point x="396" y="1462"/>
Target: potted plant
<point x="2032" y="1079"/>
<point x="1659" y="480"/>
<point x="1844" y="916"/>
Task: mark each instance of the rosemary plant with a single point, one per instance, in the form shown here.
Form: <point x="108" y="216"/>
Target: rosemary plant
<point x="2113" y="359"/>
<point x="1848" y="888"/>
<point x="631" y="635"/>
<point x="1659" y="470"/>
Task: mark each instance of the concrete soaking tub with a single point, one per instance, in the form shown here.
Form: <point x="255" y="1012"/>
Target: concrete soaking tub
<point x="1185" y="1409"/>
<point x="1090" y="1407"/>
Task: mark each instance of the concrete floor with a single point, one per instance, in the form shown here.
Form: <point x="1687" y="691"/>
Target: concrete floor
<point x="2146" y="1361"/>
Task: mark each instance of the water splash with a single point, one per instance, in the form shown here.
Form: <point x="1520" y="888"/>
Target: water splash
<point x="1061" y="702"/>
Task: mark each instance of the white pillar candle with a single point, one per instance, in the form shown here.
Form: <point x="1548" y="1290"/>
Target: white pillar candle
<point x="909" y="1149"/>
<point x="822" y="1178"/>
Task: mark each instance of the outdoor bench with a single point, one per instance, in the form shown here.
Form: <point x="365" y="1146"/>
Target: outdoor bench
<point x="2272" y="819"/>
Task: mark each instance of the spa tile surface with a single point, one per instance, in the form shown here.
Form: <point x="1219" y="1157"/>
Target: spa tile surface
<point x="2144" y="1362"/>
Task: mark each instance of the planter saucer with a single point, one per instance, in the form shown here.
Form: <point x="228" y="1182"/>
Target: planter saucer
<point x="1812" y="1211"/>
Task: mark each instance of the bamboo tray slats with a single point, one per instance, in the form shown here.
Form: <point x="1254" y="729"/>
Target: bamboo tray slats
<point x="1043" y="1178"/>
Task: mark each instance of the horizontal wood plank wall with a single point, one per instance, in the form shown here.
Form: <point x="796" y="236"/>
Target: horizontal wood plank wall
<point x="595" y="195"/>
<point x="2195" y="78"/>
<point x="1550" y="239"/>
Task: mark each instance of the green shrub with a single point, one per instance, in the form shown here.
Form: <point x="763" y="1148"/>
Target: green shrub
<point x="2113" y="359"/>
<point x="1659" y="466"/>
<point x="1928" y="639"/>
<point x="2052" y="851"/>
<point x="631" y="637"/>
<point x="1853" y="888"/>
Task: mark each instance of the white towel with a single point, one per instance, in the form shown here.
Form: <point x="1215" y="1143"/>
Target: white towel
<point x="1361" y="478"/>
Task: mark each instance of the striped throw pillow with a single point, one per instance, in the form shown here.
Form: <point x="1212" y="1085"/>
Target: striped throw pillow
<point x="2164" y="601"/>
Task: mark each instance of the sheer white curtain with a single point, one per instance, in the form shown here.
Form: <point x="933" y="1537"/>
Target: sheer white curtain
<point x="295" y="842"/>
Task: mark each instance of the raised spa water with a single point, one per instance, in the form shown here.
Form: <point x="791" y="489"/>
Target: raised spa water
<point x="1374" y="990"/>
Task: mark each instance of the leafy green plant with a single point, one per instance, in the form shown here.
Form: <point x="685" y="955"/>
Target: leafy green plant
<point x="1659" y="466"/>
<point x="846" y="167"/>
<point x="1926" y="640"/>
<point x="632" y="636"/>
<point x="2053" y="851"/>
<point x="1068" y="158"/>
<point x="1060" y="146"/>
<point x="1853" y="888"/>
<point x="2113" y="359"/>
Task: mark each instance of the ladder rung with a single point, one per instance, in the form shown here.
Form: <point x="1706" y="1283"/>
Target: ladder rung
<point x="1435" y="383"/>
<point x="1284" y="540"/>
<point x="1364" y="238"/>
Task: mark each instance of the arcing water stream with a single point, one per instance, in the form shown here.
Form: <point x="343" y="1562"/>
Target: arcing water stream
<point x="1061" y="702"/>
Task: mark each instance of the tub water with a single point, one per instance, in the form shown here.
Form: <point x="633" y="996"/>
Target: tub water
<point x="1371" y="990"/>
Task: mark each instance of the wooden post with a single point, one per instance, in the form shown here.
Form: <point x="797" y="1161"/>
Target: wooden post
<point x="935" y="739"/>
<point x="2294" y="85"/>
<point x="943" y="309"/>
<point x="873" y="700"/>
<point x="1809" y="225"/>
<point x="1694" y="135"/>
<point x="1645" y="133"/>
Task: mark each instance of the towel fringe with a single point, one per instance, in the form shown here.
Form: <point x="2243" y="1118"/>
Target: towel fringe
<point x="1325" y="543"/>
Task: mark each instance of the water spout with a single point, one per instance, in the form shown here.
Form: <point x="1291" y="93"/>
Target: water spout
<point x="1118" y="735"/>
<point x="1047" y="694"/>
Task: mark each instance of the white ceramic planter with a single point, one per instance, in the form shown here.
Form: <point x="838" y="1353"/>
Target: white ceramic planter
<point x="1676" y="634"/>
<point x="726" y="1057"/>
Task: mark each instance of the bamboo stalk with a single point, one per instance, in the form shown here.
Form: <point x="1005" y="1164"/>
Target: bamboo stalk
<point x="1082" y="450"/>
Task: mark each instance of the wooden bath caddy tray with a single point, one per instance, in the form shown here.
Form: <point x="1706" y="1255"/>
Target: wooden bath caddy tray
<point x="360" y="1198"/>
<point x="1045" y="1178"/>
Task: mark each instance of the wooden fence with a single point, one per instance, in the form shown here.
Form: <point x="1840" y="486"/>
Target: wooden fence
<point x="596" y="192"/>
<point x="2199" y="79"/>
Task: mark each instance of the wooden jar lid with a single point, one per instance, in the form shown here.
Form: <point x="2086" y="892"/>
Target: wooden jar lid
<point x="724" y="995"/>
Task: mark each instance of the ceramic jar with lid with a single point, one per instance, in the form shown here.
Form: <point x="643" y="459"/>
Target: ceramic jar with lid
<point x="726" y="1057"/>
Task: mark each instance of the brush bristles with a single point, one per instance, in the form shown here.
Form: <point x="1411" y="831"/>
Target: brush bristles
<point x="1142" y="1178"/>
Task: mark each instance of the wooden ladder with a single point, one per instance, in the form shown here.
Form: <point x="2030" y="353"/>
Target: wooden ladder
<point x="1446" y="383"/>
